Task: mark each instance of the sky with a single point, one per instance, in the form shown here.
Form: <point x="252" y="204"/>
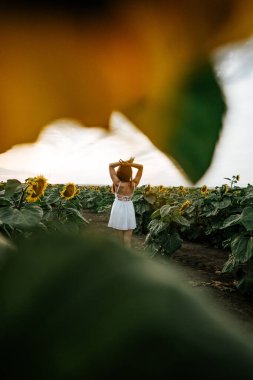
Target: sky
<point x="66" y="151"/>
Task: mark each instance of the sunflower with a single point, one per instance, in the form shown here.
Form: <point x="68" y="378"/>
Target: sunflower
<point x="204" y="190"/>
<point x="69" y="191"/>
<point x="184" y="206"/>
<point x="36" y="187"/>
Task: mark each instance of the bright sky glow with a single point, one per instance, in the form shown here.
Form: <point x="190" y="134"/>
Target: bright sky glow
<point x="66" y="151"/>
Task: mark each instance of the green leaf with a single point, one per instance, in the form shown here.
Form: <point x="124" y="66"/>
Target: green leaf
<point x="231" y="220"/>
<point x="246" y="284"/>
<point x="53" y="196"/>
<point x="198" y="117"/>
<point x="150" y="198"/>
<point x="223" y="204"/>
<point x="4" y="201"/>
<point x="155" y="214"/>
<point x="137" y="197"/>
<point x="140" y="208"/>
<point x="247" y="218"/>
<point x="230" y="264"/>
<point x="173" y="242"/>
<point x="187" y="120"/>
<point x="156" y="226"/>
<point x="12" y="185"/>
<point x="179" y="219"/>
<point x="93" y="297"/>
<point x="28" y="216"/>
<point x="75" y="215"/>
<point x="249" y="251"/>
<point x="239" y="248"/>
<point x="165" y="210"/>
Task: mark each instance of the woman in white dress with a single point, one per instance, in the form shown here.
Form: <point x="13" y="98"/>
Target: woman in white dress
<point x="122" y="216"/>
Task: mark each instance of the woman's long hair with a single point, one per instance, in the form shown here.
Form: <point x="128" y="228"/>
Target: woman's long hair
<point x="124" y="174"/>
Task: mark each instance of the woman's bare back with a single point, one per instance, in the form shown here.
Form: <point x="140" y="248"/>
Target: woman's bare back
<point x="125" y="189"/>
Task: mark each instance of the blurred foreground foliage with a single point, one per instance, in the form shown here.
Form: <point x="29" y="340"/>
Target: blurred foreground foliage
<point x="151" y="60"/>
<point x="75" y="307"/>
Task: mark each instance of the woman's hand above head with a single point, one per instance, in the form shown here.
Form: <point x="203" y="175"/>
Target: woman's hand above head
<point x="138" y="176"/>
<point x="124" y="163"/>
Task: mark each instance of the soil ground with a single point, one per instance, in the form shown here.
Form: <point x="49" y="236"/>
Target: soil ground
<point x="201" y="267"/>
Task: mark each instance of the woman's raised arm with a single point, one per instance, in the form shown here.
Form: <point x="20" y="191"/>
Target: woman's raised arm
<point x="112" y="172"/>
<point x="138" y="174"/>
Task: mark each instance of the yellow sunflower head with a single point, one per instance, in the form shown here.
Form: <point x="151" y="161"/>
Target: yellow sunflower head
<point x="204" y="190"/>
<point x="69" y="191"/>
<point x="184" y="206"/>
<point x="36" y="188"/>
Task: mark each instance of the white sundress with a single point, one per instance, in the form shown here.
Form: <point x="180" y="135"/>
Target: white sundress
<point x="122" y="213"/>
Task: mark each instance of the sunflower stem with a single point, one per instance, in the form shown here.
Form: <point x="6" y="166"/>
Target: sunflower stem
<point x="59" y="208"/>
<point x="21" y="198"/>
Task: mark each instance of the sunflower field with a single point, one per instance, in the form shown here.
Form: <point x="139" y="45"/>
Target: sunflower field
<point x="36" y="205"/>
<point x="221" y="216"/>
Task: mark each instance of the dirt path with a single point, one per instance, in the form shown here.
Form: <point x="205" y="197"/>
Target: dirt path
<point x="201" y="267"/>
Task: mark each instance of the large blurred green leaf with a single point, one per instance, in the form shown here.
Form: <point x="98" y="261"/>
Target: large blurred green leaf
<point x="186" y="122"/>
<point x="197" y="121"/>
<point x="85" y="308"/>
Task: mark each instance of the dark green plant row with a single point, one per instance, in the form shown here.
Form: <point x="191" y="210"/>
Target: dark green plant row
<point x="222" y="216"/>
